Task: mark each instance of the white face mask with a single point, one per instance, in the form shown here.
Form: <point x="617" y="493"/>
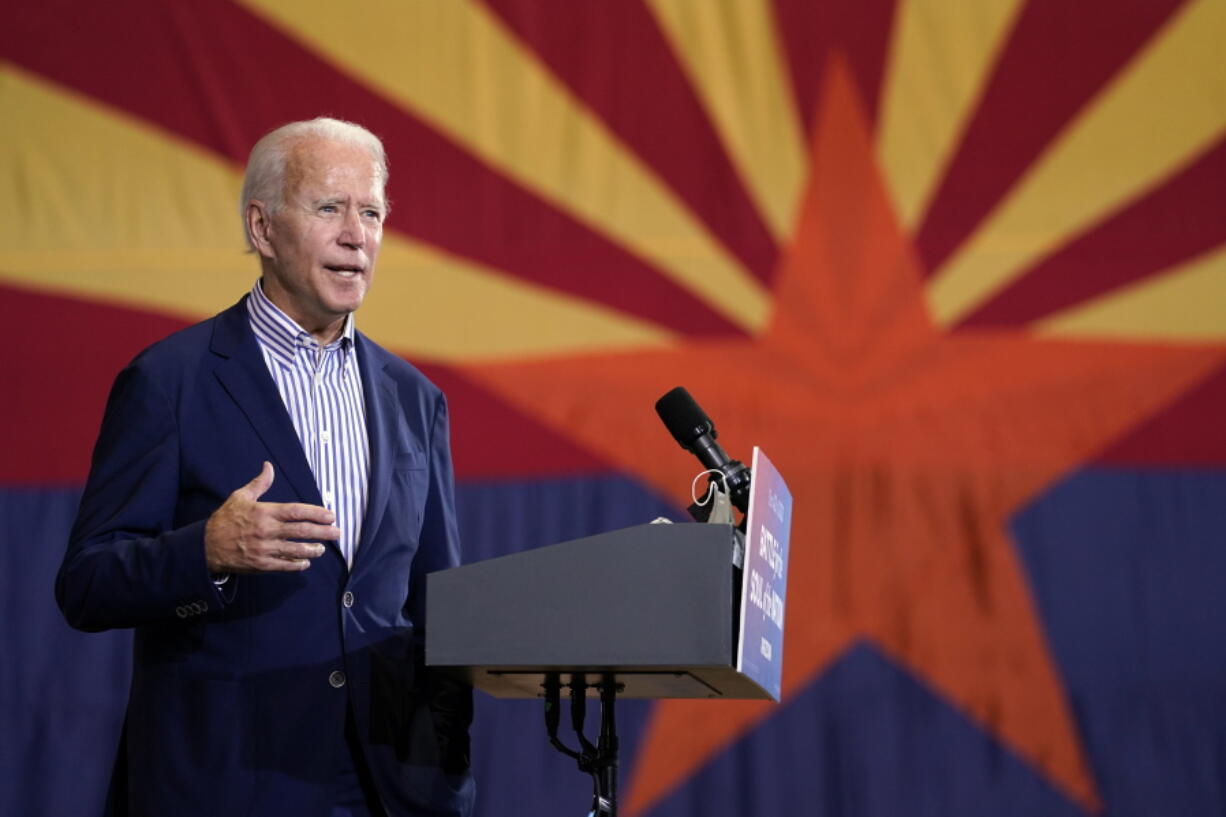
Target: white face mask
<point x="721" y="504"/>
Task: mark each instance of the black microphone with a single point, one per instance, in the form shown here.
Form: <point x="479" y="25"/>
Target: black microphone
<point x="693" y="429"/>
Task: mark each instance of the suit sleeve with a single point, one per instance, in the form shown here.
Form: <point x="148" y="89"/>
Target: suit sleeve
<point x="126" y="565"/>
<point x="449" y="701"/>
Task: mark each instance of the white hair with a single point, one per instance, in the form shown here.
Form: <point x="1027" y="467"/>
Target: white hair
<point x="265" y="176"/>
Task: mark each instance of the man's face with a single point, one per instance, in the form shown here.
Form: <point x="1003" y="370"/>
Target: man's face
<point x="322" y="242"/>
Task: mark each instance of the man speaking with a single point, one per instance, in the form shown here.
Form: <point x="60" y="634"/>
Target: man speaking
<point x="268" y="491"/>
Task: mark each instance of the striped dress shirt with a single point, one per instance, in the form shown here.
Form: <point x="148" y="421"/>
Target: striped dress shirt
<point x="322" y="390"/>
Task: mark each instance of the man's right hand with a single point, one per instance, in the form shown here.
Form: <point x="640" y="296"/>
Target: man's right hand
<point x="245" y="535"/>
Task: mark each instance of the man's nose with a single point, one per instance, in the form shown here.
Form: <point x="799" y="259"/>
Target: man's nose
<point x="352" y="234"/>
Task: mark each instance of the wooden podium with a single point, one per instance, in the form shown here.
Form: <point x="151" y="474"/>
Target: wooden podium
<point x="656" y="606"/>
<point x="650" y="611"/>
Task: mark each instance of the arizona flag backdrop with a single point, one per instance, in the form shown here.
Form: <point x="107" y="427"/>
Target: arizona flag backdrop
<point x="959" y="267"/>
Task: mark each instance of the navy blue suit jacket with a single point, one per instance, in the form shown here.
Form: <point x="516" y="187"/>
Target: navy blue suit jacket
<point x="239" y="691"/>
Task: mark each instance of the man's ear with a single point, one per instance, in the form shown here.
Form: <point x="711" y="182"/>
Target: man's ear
<point x="259" y="227"/>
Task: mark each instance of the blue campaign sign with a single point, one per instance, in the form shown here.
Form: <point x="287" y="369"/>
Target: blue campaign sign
<point x="764" y="581"/>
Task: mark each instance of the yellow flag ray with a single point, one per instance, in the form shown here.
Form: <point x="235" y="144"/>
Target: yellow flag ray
<point x="734" y="60"/>
<point x="110" y="208"/>
<point x="1155" y="117"/>
<point x="1187" y="303"/>
<point x="432" y="305"/>
<point x="455" y="66"/>
<point x="941" y="56"/>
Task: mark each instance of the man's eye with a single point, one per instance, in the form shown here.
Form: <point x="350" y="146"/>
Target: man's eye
<point x="327" y="208"/>
<point x="375" y="214"/>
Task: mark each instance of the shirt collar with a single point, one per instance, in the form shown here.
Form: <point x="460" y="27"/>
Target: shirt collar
<point x="280" y="334"/>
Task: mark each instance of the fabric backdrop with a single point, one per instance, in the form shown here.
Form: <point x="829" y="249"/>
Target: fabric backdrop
<point x="958" y="267"/>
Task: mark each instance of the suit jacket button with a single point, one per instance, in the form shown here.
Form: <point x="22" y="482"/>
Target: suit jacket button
<point x="347" y="599"/>
<point x="337" y="679"/>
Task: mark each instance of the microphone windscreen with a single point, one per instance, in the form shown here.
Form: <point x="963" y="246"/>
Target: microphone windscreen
<point x="683" y="417"/>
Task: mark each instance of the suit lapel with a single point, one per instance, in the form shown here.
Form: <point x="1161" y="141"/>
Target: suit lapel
<point x="245" y="377"/>
<point x="382" y="412"/>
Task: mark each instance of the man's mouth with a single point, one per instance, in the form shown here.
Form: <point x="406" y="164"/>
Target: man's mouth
<point x="344" y="270"/>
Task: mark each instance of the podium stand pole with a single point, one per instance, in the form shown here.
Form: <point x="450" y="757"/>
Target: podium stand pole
<point x="599" y="760"/>
<point x="608" y="744"/>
